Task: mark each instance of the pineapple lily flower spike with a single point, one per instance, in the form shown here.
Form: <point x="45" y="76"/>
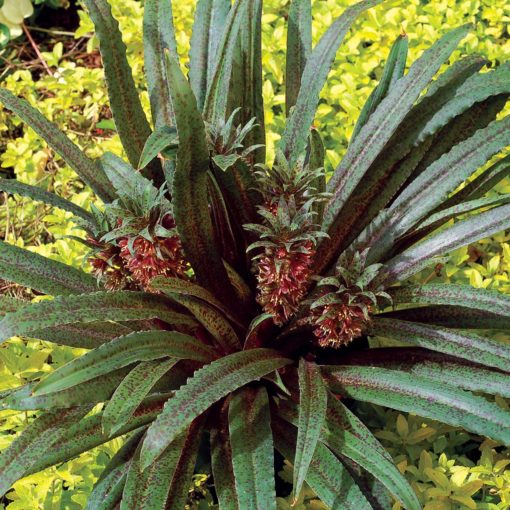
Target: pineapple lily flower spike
<point x="230" y="305"/>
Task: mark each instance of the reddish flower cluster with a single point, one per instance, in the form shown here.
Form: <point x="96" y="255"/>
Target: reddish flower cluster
<point x="107" y="266"/>
<point x="282" y="279"/>
<point x="338" y="324"/>
<point x="146" y="260"/>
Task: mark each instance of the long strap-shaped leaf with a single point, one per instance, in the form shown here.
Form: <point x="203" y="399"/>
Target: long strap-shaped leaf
<point x="327" y="476"/>
<point x="246" y="79"/>
<point x="130" y="393"/>
<point x="461" y="295"/>
<point x="468" y="346"/>
<point x="130" y="119"/>
<point x="86" y="169"/>
<point x="217" y="97"/>
<point x="221" y="462"/>
<point x="87" y="434"/>
<point x="451" y="316"/>
<point x="251" y="439"/>
<point x="314" y="76"/>
<point x="122" y="305"/>
<point x="347" y="436"/>
<point x="34" y="192"/>
<point x="299" y="47"/>
<point x="123" y="351"/>
<point x="462" y="233"/>
<point x="158" y="36"/>
<point x="210" y="20"/>
<point x="32" y="444"/>
<point x="84" y="335"/>
<point x="107" y="491"/>
<point x="393" y="71"/>
<point x="338" y="436"/>
<point x="436" y="367"/>
<point x="427" y="398"/>
<point x="384" y="122"/>
<point x="190" y="199"/>
<point x="207" y="386"/>
<point x="42" y="274"/>
<point x="313" y="400"/>
<point x="430" y="188"/>
<point x="92" y="391"/>
<point x="154" y="488"/>
<point x="396" y="162"/>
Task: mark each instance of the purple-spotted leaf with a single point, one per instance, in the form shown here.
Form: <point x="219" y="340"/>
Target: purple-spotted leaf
<point x="327" y="476"/>
<point x="121" y="352"/>
<point x="42" y="274"/>
<point x="15" y="187"/>
<point x="314" y="76"/>
<point x="313" y="400"/>
<point x="299" y="47"/>
<point x="430" y="399"/>
<point x="33" y="443"/>
<point x="190" y="197"/>
<point x="208" y="28"/>
<point x="163" y="139"/>
<point x="131" y="391"/>
<point x="130" y="119"/>
<point x="462" y="233"/>
<point x="221" y="462"/>
<point x="251" y="441"/>
<point x="118" y="306"/>
<point x="88" y="433"/>
<point x="468" y="346"/>
<point x="207" y="386"/>
<point x="86" y="169"/>
<point x="164" y="484"/>
<point x="158" y="36"/>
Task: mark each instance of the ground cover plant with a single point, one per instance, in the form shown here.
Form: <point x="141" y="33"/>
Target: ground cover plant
<point x="133" y="240"/>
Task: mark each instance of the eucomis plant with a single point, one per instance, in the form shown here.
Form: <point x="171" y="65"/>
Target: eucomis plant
<point x="229" y="306"/>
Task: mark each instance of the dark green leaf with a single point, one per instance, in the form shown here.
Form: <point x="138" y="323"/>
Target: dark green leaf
<point x="427" y="398"/>
<point x="210" y="21"/>
<point x="130" y="393"/>
<point x="313" y="400"/>
<point x="42" y="274"/>
<point x="86" y="169"/>
<point x="158" y="36"/>
<point x="299" y="47"/>
<point x="207" y="386"/>
<point x="32" y="445"/>
<point x="393" y="71"/>
<point x="462" y="233"/>
<point x="161" y="139"/>
<point x="314" y="76"/>
<point x="121" y="352"/>
<point x="122" y="305"/>
<point x="468" y="346"/>
<point x="34" y="192"/>
<point x="130" y="119"/>
<point x="190" y="200"/>
<point x="252" y="449"/>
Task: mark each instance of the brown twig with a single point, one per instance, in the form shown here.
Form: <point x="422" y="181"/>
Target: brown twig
<point x="36" y="49"/>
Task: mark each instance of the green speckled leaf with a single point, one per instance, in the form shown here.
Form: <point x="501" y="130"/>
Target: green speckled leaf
<point x="122" y="305"/>
<point x="207" y="386"/>
<point x="251" y="440"/>
<point x="121" y="352"/>
<point x="42" y="274"/>
<point x="313" y="400"/>
<point x="130" y="393"/>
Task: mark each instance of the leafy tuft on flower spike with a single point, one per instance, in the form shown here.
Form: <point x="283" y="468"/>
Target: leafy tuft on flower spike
<point x="288" y="237"/>
<point x="342" y="312"/>
<point x="146" y="236"/>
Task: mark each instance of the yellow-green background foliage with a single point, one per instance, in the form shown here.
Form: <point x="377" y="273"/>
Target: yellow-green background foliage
<point x="436" y="459"/>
